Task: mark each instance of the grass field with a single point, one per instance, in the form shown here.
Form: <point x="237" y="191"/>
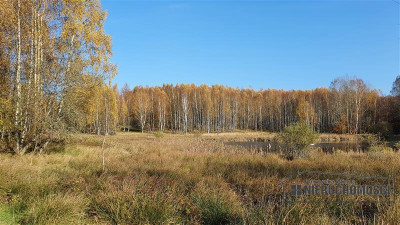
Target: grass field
<point x="181" y="179"/>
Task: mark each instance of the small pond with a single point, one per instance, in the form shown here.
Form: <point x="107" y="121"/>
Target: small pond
<point x="327" y="147"/>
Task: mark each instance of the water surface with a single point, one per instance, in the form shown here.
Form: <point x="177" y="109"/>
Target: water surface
<point x="328" y="147"/>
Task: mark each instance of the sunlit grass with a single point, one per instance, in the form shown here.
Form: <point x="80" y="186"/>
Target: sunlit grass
<point x="180" y="179"/>
<point x="6" y="216"/>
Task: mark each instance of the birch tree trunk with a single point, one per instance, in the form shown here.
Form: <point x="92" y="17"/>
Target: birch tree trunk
<point x="18" y="82"/>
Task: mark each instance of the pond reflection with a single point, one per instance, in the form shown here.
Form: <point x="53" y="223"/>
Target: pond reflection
<point x="327" y="147"/>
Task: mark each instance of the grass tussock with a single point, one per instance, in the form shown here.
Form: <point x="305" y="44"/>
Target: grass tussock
<point x="55" y="209"/>
<point x="132" y="205"/>
<point x="159" y="134"/>
<point x="179" y="179"/>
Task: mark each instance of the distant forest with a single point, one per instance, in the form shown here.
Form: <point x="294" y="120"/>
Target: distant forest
<point x="347" y="106"/>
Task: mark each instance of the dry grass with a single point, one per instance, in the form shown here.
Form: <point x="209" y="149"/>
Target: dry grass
<point x="180" y="179"/>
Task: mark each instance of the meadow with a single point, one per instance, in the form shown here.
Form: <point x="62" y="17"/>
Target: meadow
<point x="183" y="179"/>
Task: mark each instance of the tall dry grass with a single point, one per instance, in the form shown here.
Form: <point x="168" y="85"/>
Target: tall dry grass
<point x="181" y="179"/>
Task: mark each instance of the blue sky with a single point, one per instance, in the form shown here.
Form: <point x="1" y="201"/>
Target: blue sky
<point x="258" y="44"/>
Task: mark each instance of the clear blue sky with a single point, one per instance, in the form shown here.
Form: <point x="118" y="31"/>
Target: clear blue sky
<point x="259" y="44"/>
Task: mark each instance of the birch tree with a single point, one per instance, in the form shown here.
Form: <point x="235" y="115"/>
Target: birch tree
<point x="48" y="49"/>
<point x="141" y="106"/>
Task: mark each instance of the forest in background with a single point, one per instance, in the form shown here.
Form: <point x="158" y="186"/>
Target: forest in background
<point x="56" y="77"/>
<point x="347" y="106"/>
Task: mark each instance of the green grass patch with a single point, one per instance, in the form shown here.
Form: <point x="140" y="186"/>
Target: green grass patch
<point x="7" y="216"/>
<point x="159" y="134"/>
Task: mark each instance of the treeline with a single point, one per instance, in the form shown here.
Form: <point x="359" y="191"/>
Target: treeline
<point x="55" y="74"/>
<point x="347" y="106"/>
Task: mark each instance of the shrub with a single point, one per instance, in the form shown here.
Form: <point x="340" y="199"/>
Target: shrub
<point x="159" y="134"/>
<point x="383" y="129"/>
<point x="298" y="138"/>
<point x="371" y="140"/>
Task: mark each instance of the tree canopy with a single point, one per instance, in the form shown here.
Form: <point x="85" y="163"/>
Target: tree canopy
<point x="53" y="56"/>
<point x="396" y="87"/>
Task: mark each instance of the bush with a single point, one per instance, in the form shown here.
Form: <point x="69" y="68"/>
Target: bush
<point x="383" y="129"/>
<point x="371" y="140"/>
<point x="298" y="137"/>
<point x="159" y="134"/>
